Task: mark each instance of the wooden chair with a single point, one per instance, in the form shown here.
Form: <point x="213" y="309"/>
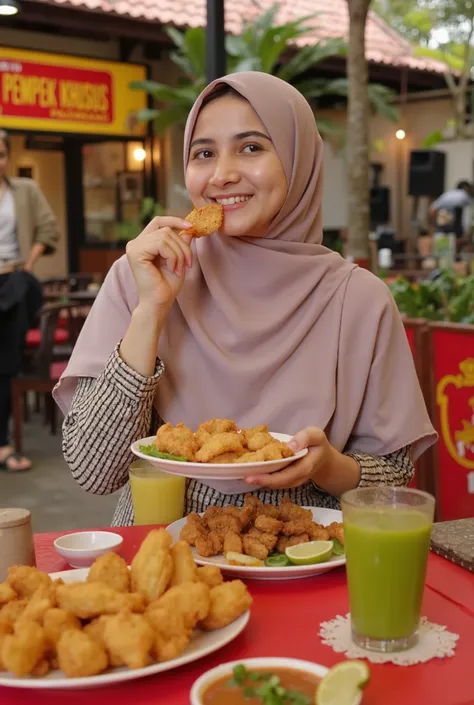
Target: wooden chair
<point x="44" y="367"/>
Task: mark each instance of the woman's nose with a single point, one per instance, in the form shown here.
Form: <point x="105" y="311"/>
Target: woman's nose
<point x="225" y="173"/>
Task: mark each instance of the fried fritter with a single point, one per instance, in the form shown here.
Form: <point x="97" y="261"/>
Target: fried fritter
<point x="152" y="566"/>
<point x="95" y="630"/>
<point x="184" y="567"/>
<point x="336" y="531"/>
<point x="317" y="532"/>
<point x="217" y="426"/>
<point x="232" y="542"/>
<point x="253" y="547"/>
<point x="252" y="457"/>
<point x="7" y="593"/>
<point x="277" y="450"/>
<point x="55" y="622"/>
<point x="171" y="636"/>
<point x="227" y="458"/>
<point x="89" y="600"/>
<point x="210" y="575"/>
<point x="205" y="220"/>
<point x="12" y="610"/>
<point x="25" y="580"/>
<point x="111" y="570"/>
<point x="285" y="542"/>
<point x="191" y="600"/>
<point x="177" y="440"/>
<point x="217" y="445"/>
<point x="268" y="525"/>
<point x="129" y="638"/>
<point x="249" y="432"/>
<point x="259" y="440"/>
<point x="80" y="656"/>
<point x="268" y="540"/>
<point x="24" y="649"/>
<point x="227" y="602"/>
<point x="193" y="529"/>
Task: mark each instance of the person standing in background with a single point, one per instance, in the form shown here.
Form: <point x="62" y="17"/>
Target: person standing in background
<point x="452" y="213"/>
<point x="28" y="230"/>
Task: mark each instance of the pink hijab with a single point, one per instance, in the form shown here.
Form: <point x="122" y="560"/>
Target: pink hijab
<point x="278" y="330"/>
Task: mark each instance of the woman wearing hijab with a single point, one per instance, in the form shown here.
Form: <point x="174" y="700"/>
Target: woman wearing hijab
<point x="259" y="323"/>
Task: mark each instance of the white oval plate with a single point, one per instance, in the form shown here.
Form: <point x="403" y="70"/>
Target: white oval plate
<point x="216" y="471"/>
<point x="201" y="644"/>
<point x="320" y="515"/>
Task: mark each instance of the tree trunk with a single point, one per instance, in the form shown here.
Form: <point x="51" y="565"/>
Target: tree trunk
<point x="358" y="136"/>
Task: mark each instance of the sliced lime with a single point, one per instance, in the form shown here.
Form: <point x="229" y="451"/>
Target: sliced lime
<point x="343" y="683"/>
<point x="309" y="553"/>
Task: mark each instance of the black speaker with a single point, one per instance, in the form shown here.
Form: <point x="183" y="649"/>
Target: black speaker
<point x="426" y="177"/>
<point x="379" y="206"/>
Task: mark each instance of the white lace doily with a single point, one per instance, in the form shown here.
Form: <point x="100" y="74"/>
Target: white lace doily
<point x="434" y="642"/>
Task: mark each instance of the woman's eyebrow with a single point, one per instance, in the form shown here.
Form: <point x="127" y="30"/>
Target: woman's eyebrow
<point x="237" y="137"/>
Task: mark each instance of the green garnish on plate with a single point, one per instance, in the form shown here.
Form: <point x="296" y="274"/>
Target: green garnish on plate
<point x="337" y="548"/>
<point x="266" y="687"/>
<point x="153" y="452"/>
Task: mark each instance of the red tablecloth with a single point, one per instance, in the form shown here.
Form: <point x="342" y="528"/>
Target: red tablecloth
<point x="285" y="622"/>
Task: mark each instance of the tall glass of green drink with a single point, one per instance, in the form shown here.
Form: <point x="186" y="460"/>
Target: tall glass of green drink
<point x="387" y="539"/>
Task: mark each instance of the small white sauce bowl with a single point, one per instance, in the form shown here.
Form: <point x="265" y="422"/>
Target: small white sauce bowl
<point x="82" y="548"/>
<point x="200" y="686"/>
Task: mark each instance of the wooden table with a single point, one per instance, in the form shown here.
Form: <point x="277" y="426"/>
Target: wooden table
<point x="285" y="622"/>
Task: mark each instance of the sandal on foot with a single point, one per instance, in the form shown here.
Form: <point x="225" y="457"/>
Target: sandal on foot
<point x="4" y="466"/>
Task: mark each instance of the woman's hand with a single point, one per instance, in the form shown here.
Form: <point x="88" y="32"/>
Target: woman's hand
<point x="158" y="258"/>
<point x="323" y="464"/>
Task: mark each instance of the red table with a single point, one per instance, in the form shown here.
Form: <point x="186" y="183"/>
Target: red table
<point x="285" y="622"/>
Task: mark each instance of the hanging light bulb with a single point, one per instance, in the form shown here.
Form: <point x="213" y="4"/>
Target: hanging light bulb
<point x="400" y="134"/>
<point x="139" y="153"/>
<point x="9" y="7"/>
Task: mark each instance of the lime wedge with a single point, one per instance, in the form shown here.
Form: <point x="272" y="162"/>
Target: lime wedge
<point x="309" y="553"/>
<point x="343" y="683"/>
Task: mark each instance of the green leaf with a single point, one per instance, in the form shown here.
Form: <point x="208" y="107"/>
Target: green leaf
<point x="239" y="672"/>
<point x="177" y="37"/>
<point x="432" y="139"/>
<point x="167" y="117"/>
<point x="147" y="114"/>
<point x="310" y="55"/>
<point x="195" y="49"/>
<point x="153" y="452"/>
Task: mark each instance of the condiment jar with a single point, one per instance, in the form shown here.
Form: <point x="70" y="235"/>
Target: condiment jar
<point x="16" y="540"/>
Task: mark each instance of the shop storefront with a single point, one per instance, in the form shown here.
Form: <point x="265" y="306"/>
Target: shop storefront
<point x="72" y="126"/>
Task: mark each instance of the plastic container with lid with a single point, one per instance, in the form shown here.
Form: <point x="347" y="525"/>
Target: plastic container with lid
<point x="16" y="540"/>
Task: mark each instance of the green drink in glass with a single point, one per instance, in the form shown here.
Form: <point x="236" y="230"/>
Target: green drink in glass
<point x="387" y="538"/>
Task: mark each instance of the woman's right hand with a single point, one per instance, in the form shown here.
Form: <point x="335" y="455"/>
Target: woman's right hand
<point x="158" y="258"/>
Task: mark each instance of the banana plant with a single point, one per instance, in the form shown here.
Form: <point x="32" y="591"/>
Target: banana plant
<point x="262" y="45"/>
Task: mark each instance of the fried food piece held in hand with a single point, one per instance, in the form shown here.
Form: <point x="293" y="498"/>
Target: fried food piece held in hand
<point x="129" y="638"/>
<point x="248" y="433"/>
<point x="259" y="440"/>
<point x="277" y="450"/>
<point x="252" y="457"/>
<point x="210" y="575"/>
<point x="205" y="220"/>
<point x="25" y="580"/>
<point x="227" y="602"/>
<point x="80" y="656"/>
<point x="177" y="440"/>
<point x="24" y="649"/>
<point x="217" y="445"/>
<point x="191" y="600"/>
<point x="7" y="593"/>
<point x="184" y="567"/>
<point x="111" y="570"/>
<point x="89" y="600"/>
<point x="152" y="566"/>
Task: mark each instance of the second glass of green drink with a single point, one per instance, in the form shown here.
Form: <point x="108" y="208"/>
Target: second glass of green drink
<point x="387" y="534"/>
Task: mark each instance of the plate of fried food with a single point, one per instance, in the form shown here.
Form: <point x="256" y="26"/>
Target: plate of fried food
<point x="91" y="627"/>
<point x="254" y="541"/>
<point x="217" y="450"/>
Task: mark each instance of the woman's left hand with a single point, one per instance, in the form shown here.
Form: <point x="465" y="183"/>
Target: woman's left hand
<point x="320" y="460"/>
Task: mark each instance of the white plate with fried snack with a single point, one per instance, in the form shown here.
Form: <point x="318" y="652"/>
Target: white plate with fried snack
<point x="326" y="524"/>
<point x="219" y="449"/>
<point x="87" y="629"/>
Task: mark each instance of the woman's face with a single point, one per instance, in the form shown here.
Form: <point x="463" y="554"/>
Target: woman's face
<point x="233" y="161"/>
<point x="3" y="159"/>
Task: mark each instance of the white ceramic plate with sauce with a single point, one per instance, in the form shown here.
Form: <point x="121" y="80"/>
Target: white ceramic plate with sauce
<point x="201" y="644"/>
<point x="216" y="471"/>
<point x="320" y="516"/>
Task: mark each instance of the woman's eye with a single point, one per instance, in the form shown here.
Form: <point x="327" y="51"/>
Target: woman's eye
<point x="203" y="154"/>
<point x="252" y="148"/>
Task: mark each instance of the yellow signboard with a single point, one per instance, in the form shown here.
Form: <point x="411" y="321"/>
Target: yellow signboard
<point x="56" y="93"/>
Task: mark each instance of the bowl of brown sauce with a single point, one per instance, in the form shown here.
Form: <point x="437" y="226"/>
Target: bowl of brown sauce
<point x="253" y="682"/>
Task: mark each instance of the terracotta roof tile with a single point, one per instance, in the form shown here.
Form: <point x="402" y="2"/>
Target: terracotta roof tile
<point x="384" y="45"/>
